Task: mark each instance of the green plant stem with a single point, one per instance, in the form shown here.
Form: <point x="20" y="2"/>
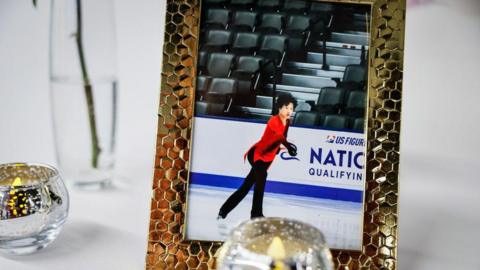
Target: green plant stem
<point x="88" y="89"/>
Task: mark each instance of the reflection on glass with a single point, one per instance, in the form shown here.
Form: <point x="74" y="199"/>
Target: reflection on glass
<point x="275" y="243"/>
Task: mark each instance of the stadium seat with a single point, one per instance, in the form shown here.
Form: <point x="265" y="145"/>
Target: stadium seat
<point x="295" y="6"/>
<point x="271" y="23"/>
<point x="219" y="64"/>
<point x="335" y="121"/>
<point x="345" y="19"/>
<point x="222" y="86"/>
<point x="241" y="4"/>
<point x="247" y="72"/>
<point x="321" y="7"/>
<point x="355" y="73"/>
<point x="269" y="5"/>
<point x="202" y="62"/>
<point x="318" y="27"/>
<point x="354" y="78"/>
<point x="330" y="100"/>
<point x="215" y="3"/>
<point x="218" y="108"/>
<point x="243" y="21"/>
<point x="273" y="47"/>
<point x="202" y="86"/>
<point x="209" y="108"/>
<point x="298" y="31"/>
<point x="221" y="91"/>
<point x="297" y="24"/>
<point x="356" y="102"/>
<point x="263" y="102"/>
<point x="245" y="43"/>
<point x="248" y="66"/>
<point x="358" y="124"/>
<point x="307" y="118"/>
<point x="217" y="41"/>
<point x="217" y="18"/>
<point x="303" y="106"/>
<point x="201" y="107"/>
<point x="321" y="14"/>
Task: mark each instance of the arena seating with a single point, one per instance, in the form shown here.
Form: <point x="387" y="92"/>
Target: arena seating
<point x="244" y="21"/>
<point x="336" y="121"/>
<point x="358" y="124"/>
<point x="271" y="23"/>
<point x="330" y="100"/>
<point x="217" y="18"/>
<point x="303" y="118"/>
<point x="202" y="86"/>
<point x="318" y="7"/>
<point x="221" y="91"/>
<point x="217" y="41"/>
<point x="298" y="32"/>
<point x="201" y="107"/>
<point x="245" y="43"/>
<point x="268" y="5"/>
<point x="219" y="64"/>
<point x="295" y="6"/>
<point x="353" y="78"/>
<point x="355" y="106"/>
<point x="253" y="50"/>
<point x="202" y="61"/>
<point x="247" y="73"/>
<point x="241" y="4"/>
<point x="215" y="3"/>
<point x="273" y="47"/>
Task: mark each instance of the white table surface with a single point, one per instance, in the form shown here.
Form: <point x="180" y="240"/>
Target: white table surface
<point x="439" y="201"/>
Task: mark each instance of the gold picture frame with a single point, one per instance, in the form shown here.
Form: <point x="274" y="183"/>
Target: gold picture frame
<point x="167" y="250"/>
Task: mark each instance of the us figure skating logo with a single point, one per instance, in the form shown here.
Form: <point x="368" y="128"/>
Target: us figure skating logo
<point x="330" y="138"/>
<point x="285" y="156"/>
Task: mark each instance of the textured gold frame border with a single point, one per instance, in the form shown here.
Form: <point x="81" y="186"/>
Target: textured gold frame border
<point x="166" y="250"/>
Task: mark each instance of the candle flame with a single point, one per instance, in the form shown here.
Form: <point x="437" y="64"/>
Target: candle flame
<point x="17" y="182"/>
<point x="276" y="250"/>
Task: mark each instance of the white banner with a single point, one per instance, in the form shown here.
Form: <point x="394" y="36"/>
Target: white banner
<point x="325" y="158"/>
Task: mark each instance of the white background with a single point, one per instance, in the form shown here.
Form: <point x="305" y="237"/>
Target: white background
<point x="439" y="200"/>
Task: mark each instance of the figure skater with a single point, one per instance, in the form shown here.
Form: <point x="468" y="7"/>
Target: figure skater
<point x="261" y="155"/>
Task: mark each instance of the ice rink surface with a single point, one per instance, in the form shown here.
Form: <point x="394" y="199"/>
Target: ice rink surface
<point x="340" y="221"/>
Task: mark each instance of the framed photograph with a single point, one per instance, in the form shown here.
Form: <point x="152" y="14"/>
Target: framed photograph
<point x="278" y="108"/>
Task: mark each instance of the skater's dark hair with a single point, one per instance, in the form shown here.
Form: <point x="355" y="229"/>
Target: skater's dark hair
<point x="284" y="100"/>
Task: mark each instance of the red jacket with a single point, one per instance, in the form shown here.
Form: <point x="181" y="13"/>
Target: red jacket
<point x="266" y="149"/>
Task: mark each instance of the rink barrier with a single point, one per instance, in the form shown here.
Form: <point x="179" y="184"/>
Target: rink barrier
<point x="331" y="193"/>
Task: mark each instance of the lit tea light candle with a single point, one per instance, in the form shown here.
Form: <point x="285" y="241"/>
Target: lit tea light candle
<point x="33" y="207"/>
<point x="275" y="244"/>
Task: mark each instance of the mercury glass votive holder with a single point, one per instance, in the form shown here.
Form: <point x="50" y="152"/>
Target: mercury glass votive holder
<point x="275" y="243"/>
<point x="33" y="207"/>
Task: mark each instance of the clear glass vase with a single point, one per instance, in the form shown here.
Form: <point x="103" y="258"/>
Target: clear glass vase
<point x="83" y="89"/>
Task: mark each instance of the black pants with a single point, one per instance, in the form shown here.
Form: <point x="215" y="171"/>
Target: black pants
<point x="257" y="176"/>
